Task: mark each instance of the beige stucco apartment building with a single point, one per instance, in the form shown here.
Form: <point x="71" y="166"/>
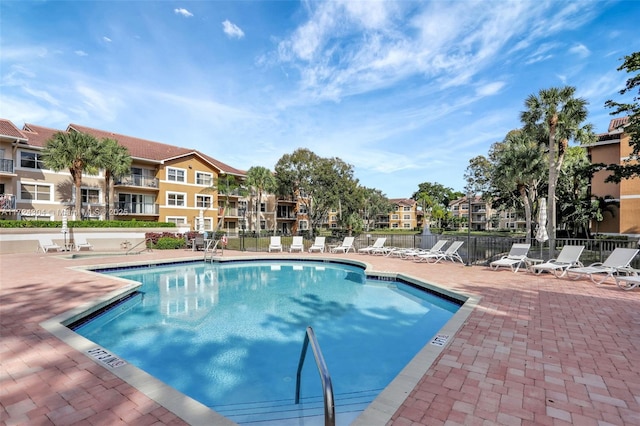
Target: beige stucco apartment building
<point x="622" y="215"/>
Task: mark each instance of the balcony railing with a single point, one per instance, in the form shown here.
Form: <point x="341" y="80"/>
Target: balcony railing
<point x="137" y="180"/>
<point x="123" y="208"/>
<point x="7" y="202"/>
<point x="6" y="166"/>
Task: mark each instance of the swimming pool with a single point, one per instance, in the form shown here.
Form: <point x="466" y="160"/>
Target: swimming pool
<point x="368" y="328"/>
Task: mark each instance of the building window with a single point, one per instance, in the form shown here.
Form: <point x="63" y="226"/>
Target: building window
<point x="178" y="220"/>
<point x="175" y="199"/>
<point x="406" y="217"/>
<point x="394" y="225"/>
<point x="31" y="160"/>
<point x="263" y="224"/>
<point x="205" y="179"/>
<point x="302" y="209"/>
<point x="395" y="216"/>
<point x="263" y="207"/>
<point x="175" y="175"/>
<point x="304" y="225"/>
<point x="406" y="225"/>
<point x="90" y="196"/>
<point x="407" y="208"/>
<point x="204" y="201"/>
<point x="35" y="192"/>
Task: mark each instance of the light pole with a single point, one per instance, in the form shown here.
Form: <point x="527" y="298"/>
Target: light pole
<point x="242" y="211"/>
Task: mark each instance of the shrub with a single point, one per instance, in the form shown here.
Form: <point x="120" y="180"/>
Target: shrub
<point x="169" y="243"/>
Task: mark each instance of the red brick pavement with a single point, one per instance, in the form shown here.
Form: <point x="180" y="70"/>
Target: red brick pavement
<point x="536" y="350"/>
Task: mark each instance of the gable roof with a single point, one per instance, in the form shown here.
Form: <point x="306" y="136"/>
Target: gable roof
<point x="156" y="151"/>
<point x="403" y="201"/>
<point x="38" y="135"/>
<point x="618" y="123"/>
<point x="9" y="130"/>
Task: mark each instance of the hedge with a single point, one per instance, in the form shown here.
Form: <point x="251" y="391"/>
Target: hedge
<point x="84" y="224"/>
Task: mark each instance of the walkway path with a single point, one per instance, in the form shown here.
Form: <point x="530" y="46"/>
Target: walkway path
<point x="536" y="351"/>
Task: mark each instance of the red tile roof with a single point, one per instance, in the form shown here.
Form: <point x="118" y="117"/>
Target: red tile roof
<point x="38" y="135"/>
<point x="150" y="150"/>
<point x="402" y="201"/>
<point x="8" y="129"/>
<point x="616" y="123"/>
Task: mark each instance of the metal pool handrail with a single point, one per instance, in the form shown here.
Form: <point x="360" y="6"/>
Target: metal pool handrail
<point x="146" y="246"/>
<point x="327" y="388"/>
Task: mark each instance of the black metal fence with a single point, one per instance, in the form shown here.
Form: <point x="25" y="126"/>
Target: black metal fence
<point x="477" y="250"/>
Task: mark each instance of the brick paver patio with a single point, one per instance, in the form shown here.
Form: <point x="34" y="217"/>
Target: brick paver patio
<point x="536" y="350"/>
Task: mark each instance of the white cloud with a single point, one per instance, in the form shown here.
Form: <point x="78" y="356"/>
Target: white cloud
<point x="232" y="30"/>
<point x="183" y="12"/>
<point x="107" y="39"/>
<point x="81" y="53"/>
<point x="490" y="88"/>
<point x="580" y="50"/>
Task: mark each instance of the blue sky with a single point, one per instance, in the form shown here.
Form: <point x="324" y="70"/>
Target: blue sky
<point x="406" y="92"/>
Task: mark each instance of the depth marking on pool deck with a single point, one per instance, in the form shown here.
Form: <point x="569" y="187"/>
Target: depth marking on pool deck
<point x="440" y="340"/>
<point x="106" y="358"/>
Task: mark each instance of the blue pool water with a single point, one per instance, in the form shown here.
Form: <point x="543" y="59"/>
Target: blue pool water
<point x="230" y="334"/>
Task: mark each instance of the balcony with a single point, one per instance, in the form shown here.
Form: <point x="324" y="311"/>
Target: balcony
<point x="7" y="202"/>
<point x="6" y="166"/>
<point x="137" y="181"/>
<point x="137" y="209"/>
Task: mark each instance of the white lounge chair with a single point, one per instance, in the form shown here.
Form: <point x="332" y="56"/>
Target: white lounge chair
<point x="318" y="245"/>
<point x="377" y="245"/>
<point x="514" y="260"/>
<point x="275" y="244"/>
<point x="80" y="242"/>
<point x="422" y="255"/>
<point x="600" y="271"/>
<point x="45" y="244"/>
<point x="297" y="244"/>
<point x="451" y="253"/>
<point x="569" y="257"/>
<point x="345" y="246"/>
<point x="629" y="281"/>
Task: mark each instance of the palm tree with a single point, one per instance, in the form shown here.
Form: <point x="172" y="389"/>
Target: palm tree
<point x="519" y="164"/>
<point x="116" y="162"/>
<point x="559" y="115"/>
<point x="76" y="151"/>
<point x="225" y="184"/>
<point x="263" y="181"/>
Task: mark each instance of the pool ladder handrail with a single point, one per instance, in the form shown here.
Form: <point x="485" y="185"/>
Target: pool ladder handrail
<point x="213" y="250"/>
<point x="327" y="387"/>
<point x="147" y="246"/>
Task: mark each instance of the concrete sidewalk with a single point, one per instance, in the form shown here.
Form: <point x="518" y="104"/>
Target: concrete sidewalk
<point x="536" y="350"/>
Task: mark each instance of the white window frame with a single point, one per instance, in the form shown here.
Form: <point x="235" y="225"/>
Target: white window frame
<point x="36" y="185"/>
<point x="406" y="209"/>
<point x="182" y="194"/>
<point x="303" y="225"/>
<point x="84" y="192"/>
<point x="200" y="201"/>
<point x="406" y="217"/>
<point x="37" y="161"/>
<point x="406" y="225"/>
<point x="176" y="170"/>
<point x="395" y="216"/>
<point x="394" y="225"/>
<point x="178" y="220"/>
<point x="200" y="175"/>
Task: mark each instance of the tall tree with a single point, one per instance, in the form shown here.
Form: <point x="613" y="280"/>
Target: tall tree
<point x="77" y="152"/>
<point x="116" y="162"/>
<point x="519" y="167"/>
<point x="262" y="181"/>
<point x="226" y="185"/>
<point x="632" y="109"/>
<point x="375" y="203"/>
<point x="434" y="199"/>
<point x="560" y="116"/>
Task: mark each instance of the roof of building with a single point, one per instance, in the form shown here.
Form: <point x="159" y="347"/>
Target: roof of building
<point x="402" y="201"/>
<point x="138" y="148"/>
<point x="9" y="130"/>
<point x="618" y="123"/>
